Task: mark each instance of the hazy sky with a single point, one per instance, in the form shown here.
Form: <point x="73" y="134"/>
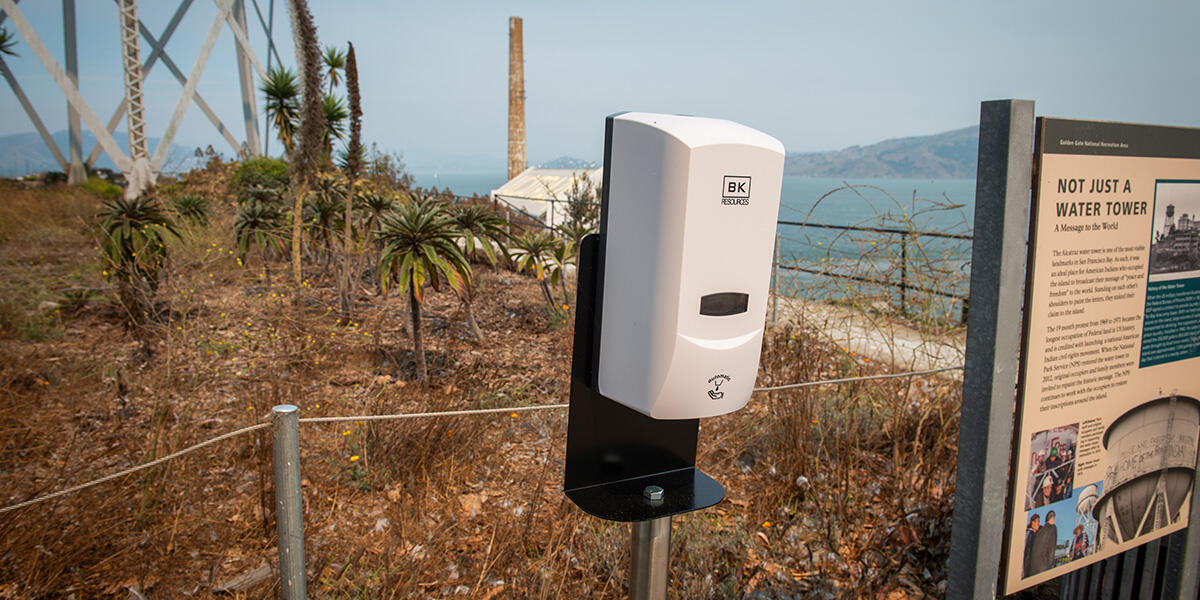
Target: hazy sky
<point x="817" y="75"/>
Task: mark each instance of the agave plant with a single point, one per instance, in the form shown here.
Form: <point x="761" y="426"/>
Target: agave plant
<point x="261" y="226"/>
<point x="193" y="208"/>
<point x="375" y="202"/>
<point x="420" y="246"/>
<point x="73" y="300"/>
<point x="534" y="250"/>
<point x="481" y="231"/>
<point x="134" y="251"/>
<point x="427" y="200"/>
<point x="323" y="209"/>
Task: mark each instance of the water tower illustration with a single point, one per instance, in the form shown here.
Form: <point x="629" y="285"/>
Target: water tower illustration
<point x="1151" y="464"/>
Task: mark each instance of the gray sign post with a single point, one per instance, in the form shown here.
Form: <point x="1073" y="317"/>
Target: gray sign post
<point x="1002" y="188"/>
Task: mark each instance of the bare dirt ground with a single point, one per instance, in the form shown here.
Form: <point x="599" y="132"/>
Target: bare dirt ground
<point x="832" y="492"/>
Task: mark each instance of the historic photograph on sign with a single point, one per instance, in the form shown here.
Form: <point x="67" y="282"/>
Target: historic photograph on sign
<point x="1175" y="245"/>
<point x="1061" y="532"/>
<point x="1052" y="466"/>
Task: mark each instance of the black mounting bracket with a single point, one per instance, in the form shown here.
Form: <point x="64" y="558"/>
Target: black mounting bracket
<point x="614" y="452"/>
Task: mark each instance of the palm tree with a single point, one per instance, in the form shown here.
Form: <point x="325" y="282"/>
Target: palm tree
<point x="335" y="122"/>
<point x="335" y="64"/>
<point x="7" y="41"/>
<point x="482" y="229"/>
<point x="419" y="247"/>
<point x="282" y="93"/>
<point x="535" y="250"/>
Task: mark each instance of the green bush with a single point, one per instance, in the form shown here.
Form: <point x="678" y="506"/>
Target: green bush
<point x="103" y="188"/>
<point x="261" y="179"/>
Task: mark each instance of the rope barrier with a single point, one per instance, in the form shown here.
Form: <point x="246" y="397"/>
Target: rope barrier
<point x="851" y="379"/>
<point x="452" y="413"/>
<point x="131" y="470"/>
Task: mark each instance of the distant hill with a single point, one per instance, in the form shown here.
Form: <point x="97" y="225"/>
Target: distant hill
<point x="25" y="153"/>
<point x="568" y="162"/>
<point x="949" y="155"/>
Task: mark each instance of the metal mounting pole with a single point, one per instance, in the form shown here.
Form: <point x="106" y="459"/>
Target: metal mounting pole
<point x="289" y="512"/>
<point x="651" y="556"/>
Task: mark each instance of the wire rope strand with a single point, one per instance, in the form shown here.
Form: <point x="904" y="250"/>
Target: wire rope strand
<point x="130" y="470"/>
<point x="451" y="413"/>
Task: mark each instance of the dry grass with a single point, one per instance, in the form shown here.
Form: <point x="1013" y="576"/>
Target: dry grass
<point x="470" y="506"/>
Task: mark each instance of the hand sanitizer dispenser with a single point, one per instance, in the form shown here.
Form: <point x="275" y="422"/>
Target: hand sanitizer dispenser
<point x="687" y="227"/>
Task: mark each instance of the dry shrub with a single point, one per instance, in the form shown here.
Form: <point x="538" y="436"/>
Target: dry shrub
<point x="410" y="450"/>
<point x="859" y="475"/>
<point x="47" y="249"/>
<point x="26" y="213"/>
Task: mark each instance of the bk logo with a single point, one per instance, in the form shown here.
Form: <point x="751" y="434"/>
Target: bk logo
<point x="735" y="187"/>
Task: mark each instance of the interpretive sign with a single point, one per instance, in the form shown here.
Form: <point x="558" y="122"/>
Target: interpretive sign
<point x="1108" y="417"/>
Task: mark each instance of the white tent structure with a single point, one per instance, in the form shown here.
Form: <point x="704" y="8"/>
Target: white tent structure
<point x="542" y="194"/>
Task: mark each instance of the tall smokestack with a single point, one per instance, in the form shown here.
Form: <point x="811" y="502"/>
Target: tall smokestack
<point x="516" y="99"/>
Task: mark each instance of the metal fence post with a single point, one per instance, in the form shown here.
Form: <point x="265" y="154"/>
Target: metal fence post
<point x="289" y="513"/>
<point x="903" y="272"/>
<point x="651" y="556"/>
<point x="775" y="282"/>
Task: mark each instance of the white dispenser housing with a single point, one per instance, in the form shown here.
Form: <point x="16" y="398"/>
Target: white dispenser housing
<point x="689" y="221"/>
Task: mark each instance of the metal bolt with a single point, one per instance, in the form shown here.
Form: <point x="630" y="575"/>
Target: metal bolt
<point x="654" y="494"/>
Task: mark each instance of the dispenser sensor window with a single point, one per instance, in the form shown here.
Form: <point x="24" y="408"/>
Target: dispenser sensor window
<point x="724" y="304"/>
